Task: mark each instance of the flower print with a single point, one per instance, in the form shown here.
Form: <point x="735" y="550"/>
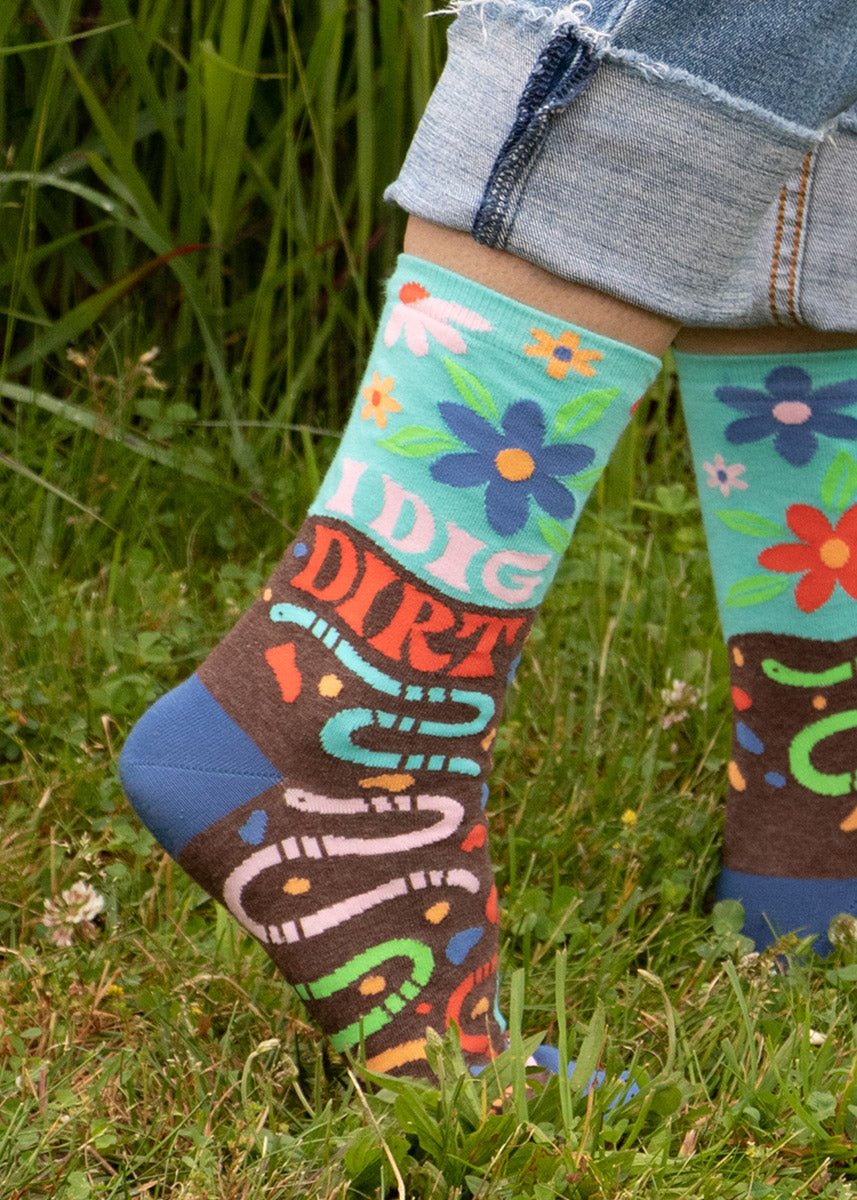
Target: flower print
<point x="516" y="464"/>
<point x="827" y="555"/>
<point x="563" y="353"/>
<point x="379" y="400"/>
<point x="723" y="477"/>
<point x="791" y="411"/>
<point x="420" y="314"/>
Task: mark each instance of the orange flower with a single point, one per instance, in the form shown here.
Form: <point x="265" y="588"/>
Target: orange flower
<point x="379" y="400"/>
<point x="563" y="353"/>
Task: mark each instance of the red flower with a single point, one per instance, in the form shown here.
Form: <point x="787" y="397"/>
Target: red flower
<point x="826" y="553"/>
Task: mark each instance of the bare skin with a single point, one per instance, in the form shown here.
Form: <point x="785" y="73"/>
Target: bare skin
<point x="581" y="305"/>
<point x="515" y="277"/>
<point x="770" y="339"/>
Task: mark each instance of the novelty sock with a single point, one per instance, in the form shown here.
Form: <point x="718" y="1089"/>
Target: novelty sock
<point x="774" y="440"/>
<point x="323" y="773"/>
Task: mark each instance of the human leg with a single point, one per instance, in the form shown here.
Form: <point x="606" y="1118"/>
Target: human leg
<point x="323" y="772"/>
<point x="772" y="414"/>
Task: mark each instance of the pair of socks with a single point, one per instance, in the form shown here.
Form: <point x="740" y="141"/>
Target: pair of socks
<point x="323" y="774"/>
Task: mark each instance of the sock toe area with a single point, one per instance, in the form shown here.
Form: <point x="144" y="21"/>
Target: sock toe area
<point x="186" y="764"/>
<point x="774" y="905"/>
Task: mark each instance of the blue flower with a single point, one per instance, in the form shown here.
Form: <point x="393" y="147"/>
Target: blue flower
<point x="792" y="412"/>
<point x="516" y="464"/>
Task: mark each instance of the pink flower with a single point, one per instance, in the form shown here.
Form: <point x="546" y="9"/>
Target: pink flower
<point x="420" y="314"/>
<point x="723" y="477"/>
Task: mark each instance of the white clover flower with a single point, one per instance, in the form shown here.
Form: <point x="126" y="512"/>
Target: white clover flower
<point x="679" y="698"/>
<point x="75" y="910"/>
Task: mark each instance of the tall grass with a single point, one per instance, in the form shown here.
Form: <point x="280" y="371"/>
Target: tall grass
<point x="206" y="178"/>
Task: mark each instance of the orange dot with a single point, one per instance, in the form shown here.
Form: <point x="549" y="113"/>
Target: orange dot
<point x="479" y="1009"/>
<point x="515" y="464"/>
<point x="390" y="783"/>
<point x="834" y="553"/>
<point x="736" y="778"/>
<point x="296" y="886"/>
<point x="737" y="656"/>
<point x="372" y="985"/>
<point x="741" y="700"/>
<point x="267" y="594"/>
<point x="437" y="912"/>
<point x="329" y="686"/>
<point x="819" y="702"/>
<point x="423" y="1008"/>
<point x="488" y="739"/>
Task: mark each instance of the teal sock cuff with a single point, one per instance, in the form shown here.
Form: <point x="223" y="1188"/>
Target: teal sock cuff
<point x="774" y="442"/>
<point x="506" y="312"/>
<point x="480" y="428"/>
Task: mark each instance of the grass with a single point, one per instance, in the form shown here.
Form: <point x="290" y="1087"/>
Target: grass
<point x="157" y="1055"/>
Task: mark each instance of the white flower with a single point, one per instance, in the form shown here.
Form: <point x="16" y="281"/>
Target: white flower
<point x="420" y="314"/>
<point x="843" y="930"/>
<point x="679" y="698"/>
<point x="75" y="910"/>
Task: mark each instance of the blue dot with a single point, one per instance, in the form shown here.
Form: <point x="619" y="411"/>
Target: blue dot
<point x="462" y="943"/>
<point x="516" y="662"/>
<point x="748" y="739"/>
<point x="299" y="549"/>
<point x="562" y="353"/>
<point x="775" y="779"/>
<point x="253" y="829"/>
<point x="484" y="799"/>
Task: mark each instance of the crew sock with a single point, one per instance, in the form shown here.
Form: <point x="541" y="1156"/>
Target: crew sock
<point x="323" y="773"/>
<point x="774" y="442"/>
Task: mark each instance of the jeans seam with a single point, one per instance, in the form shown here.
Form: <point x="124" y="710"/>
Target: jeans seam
<point x="775" y="256"/>
<point x="801" y="213"/>
<point x="563" y="71"/>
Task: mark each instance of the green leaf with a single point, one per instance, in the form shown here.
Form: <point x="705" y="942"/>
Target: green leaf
<point x="750" y="523"/>
<point x="590" y="1050"/>
<point x="727" y="916"/>
<point x="417" y="441"/>
<point x="756" y="589"/>
<point x="474" y="394"/>
<point x="585" y="480"/>
<point x="556" y="535"/>
<point x="840" y="482"/>
<point x="583" y="411"/>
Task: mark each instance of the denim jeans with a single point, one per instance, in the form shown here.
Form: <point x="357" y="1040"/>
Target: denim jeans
<point x="697" y="158"/>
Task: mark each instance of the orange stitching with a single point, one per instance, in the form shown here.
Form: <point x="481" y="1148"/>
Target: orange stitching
<point x="775" y="261"/>
<point x="801" y="205"/>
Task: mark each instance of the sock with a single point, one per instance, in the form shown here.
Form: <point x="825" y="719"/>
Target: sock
<point x="774" y="442"/>
<point x="323" y="773"/>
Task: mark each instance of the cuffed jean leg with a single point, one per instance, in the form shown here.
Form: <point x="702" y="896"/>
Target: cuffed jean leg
<point x="804" y="260"/>
<point x="582" y="138"/>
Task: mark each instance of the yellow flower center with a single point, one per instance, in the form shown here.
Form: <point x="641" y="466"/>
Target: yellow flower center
<point x="515" y="464"/>
<point x="834" y="553"/>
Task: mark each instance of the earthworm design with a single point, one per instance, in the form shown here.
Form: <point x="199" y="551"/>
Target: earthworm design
<point x="780" y="673"/>
<point x="368" y="960"/>
<point x="338" y="732"/>
<point x="803" y="744"/>
<point x="332" y="915"/>
<point x="476" y="1043"/>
